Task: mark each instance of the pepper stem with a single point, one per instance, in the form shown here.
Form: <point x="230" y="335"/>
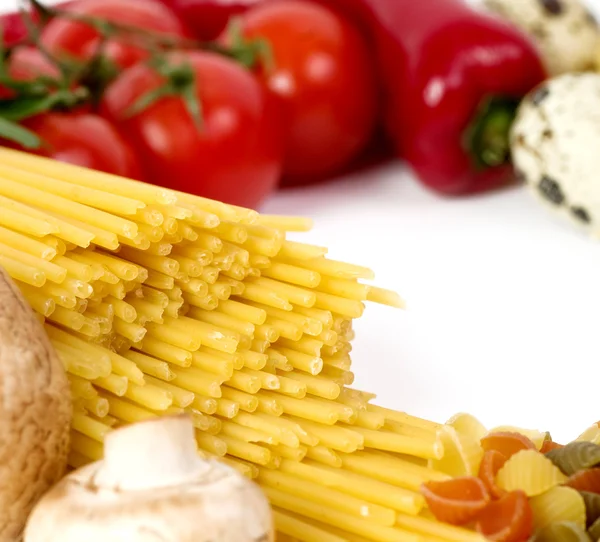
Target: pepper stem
<point x="487" y="137"/>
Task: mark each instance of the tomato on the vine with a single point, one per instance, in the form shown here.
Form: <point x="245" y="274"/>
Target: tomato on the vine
<point x="26" y="64"/>
<point x="324" y="75"/>
<point x="233" y="154"/>
<point x="83" y="139"/>
<point x="64" y="35"/>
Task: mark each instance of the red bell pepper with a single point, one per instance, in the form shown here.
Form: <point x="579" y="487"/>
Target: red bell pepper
<point x="452" y="78"/>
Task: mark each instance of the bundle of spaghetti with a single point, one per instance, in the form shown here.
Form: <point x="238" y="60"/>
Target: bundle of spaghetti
<point x="162" y="303"/>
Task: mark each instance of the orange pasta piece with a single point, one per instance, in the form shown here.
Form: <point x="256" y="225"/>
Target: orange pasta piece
<point x="492" y="462"/>
<point x="509" y="519"/>
<point x="456" y="501"/>
<point x="508" y="444"/>
<point x="585" y="480"/>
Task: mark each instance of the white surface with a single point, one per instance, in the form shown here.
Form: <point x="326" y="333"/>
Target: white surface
<point x="503" y="300"/>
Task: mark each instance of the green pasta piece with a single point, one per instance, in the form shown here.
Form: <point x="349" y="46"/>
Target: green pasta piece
<point x="575" y="456"/>
<point x="594" y="530"/>
<point x="563" y="531"/>
<point x="592" y="506"/>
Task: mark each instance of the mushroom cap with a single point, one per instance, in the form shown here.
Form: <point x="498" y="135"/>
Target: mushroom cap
<point x="35" y="411"/>
<point x="224" y="508"/>
<point x="185" y="499"/>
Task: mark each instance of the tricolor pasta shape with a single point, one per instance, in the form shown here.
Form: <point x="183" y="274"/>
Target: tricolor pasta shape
<point x="556" y="505"/>
<point x="531" y="472"/>
<point x="575" y="456"/>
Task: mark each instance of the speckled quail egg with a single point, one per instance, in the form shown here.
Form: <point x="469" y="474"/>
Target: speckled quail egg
<point x="565" y="31"/>
<point x="555" y="145"/>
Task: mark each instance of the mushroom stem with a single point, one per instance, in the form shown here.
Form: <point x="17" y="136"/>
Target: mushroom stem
<point x="150" y="455"/>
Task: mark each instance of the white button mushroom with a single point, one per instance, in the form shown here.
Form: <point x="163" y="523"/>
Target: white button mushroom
<point x="555" y="143"/>
<point x="152" y="486"/>
<point x="565" y="31"/>
<point x="35" y="411"/>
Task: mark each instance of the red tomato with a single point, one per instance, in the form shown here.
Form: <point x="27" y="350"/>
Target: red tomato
<point x="85" y="140"/>
<point x="81" y="40"/>
<point x="25" y="64"/>
<point x="234" y="157"/>
<point x="324" y="75"/>
<point x="208" y="18"/>
<point x="13" y="28"/>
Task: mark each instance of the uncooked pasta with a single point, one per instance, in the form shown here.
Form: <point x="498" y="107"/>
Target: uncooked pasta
<point x="162" y="303"/>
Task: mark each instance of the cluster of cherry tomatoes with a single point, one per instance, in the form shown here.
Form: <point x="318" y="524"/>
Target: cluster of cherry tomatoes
<point x="194" y="117"/>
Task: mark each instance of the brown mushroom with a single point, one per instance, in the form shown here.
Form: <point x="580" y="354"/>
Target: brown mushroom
<point x="35" y="411"/>
<point x="152" y="486"/>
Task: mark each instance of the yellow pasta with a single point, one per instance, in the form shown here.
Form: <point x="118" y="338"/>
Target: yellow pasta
<point x="466" y="424"/>
<point x="38" y="301"/>
<point x="127" y="411"/>
<point x="213" y="364"/>
<point x="198" y="381"/>
<point x="288" y="525"/>
<point x="181" y="397"/>
<point x="385" y="297"/>
<point x="151" y="366"/>
<point x="324" y="455"/>
<point x="301" y="251"/>
<point x="161" y="303"/>
<point x="149" y="396"/>
<point x="174" y="336"/>
<point x="558" y="504"/>
<point x="246" y="401"/>
<point x="98" y="406"/>
<point x="206" y="405"/>
<point x="248" y="434"/>
<point x="591" y="434"/>
<point x="293" y="275"/>
<point x="113" y="383"/>
<point x="81" y="388"/>
<point x="359" y="526"/>
<point x="369" y="420"/>
<point x="436" y="530"/>
<point x="89" y="427"/>
<point x="86" y="446"/>
<point x="212" y="444"/>
<point x="247" y="451"/>
<point x="227" y="408"/>
<point x="296" y="454"/>
<point x="327" y="497"/>
<point x="458" y="454"/>
<point x="358" y="486"/>
<point x="33" y="247"/>
<point x="244" y="382"/>
<point x="19" y="222"/>
<point x="531" y="472"/>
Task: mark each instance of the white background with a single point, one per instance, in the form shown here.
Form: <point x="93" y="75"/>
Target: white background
<point x="503" y="299"/>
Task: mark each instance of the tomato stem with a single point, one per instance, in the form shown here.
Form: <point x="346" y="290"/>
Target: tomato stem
<point x="249" y="52"/>
<point x="85" y="81"/>
<point x="246" y="52"/>
<point x="180" y="80"/>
